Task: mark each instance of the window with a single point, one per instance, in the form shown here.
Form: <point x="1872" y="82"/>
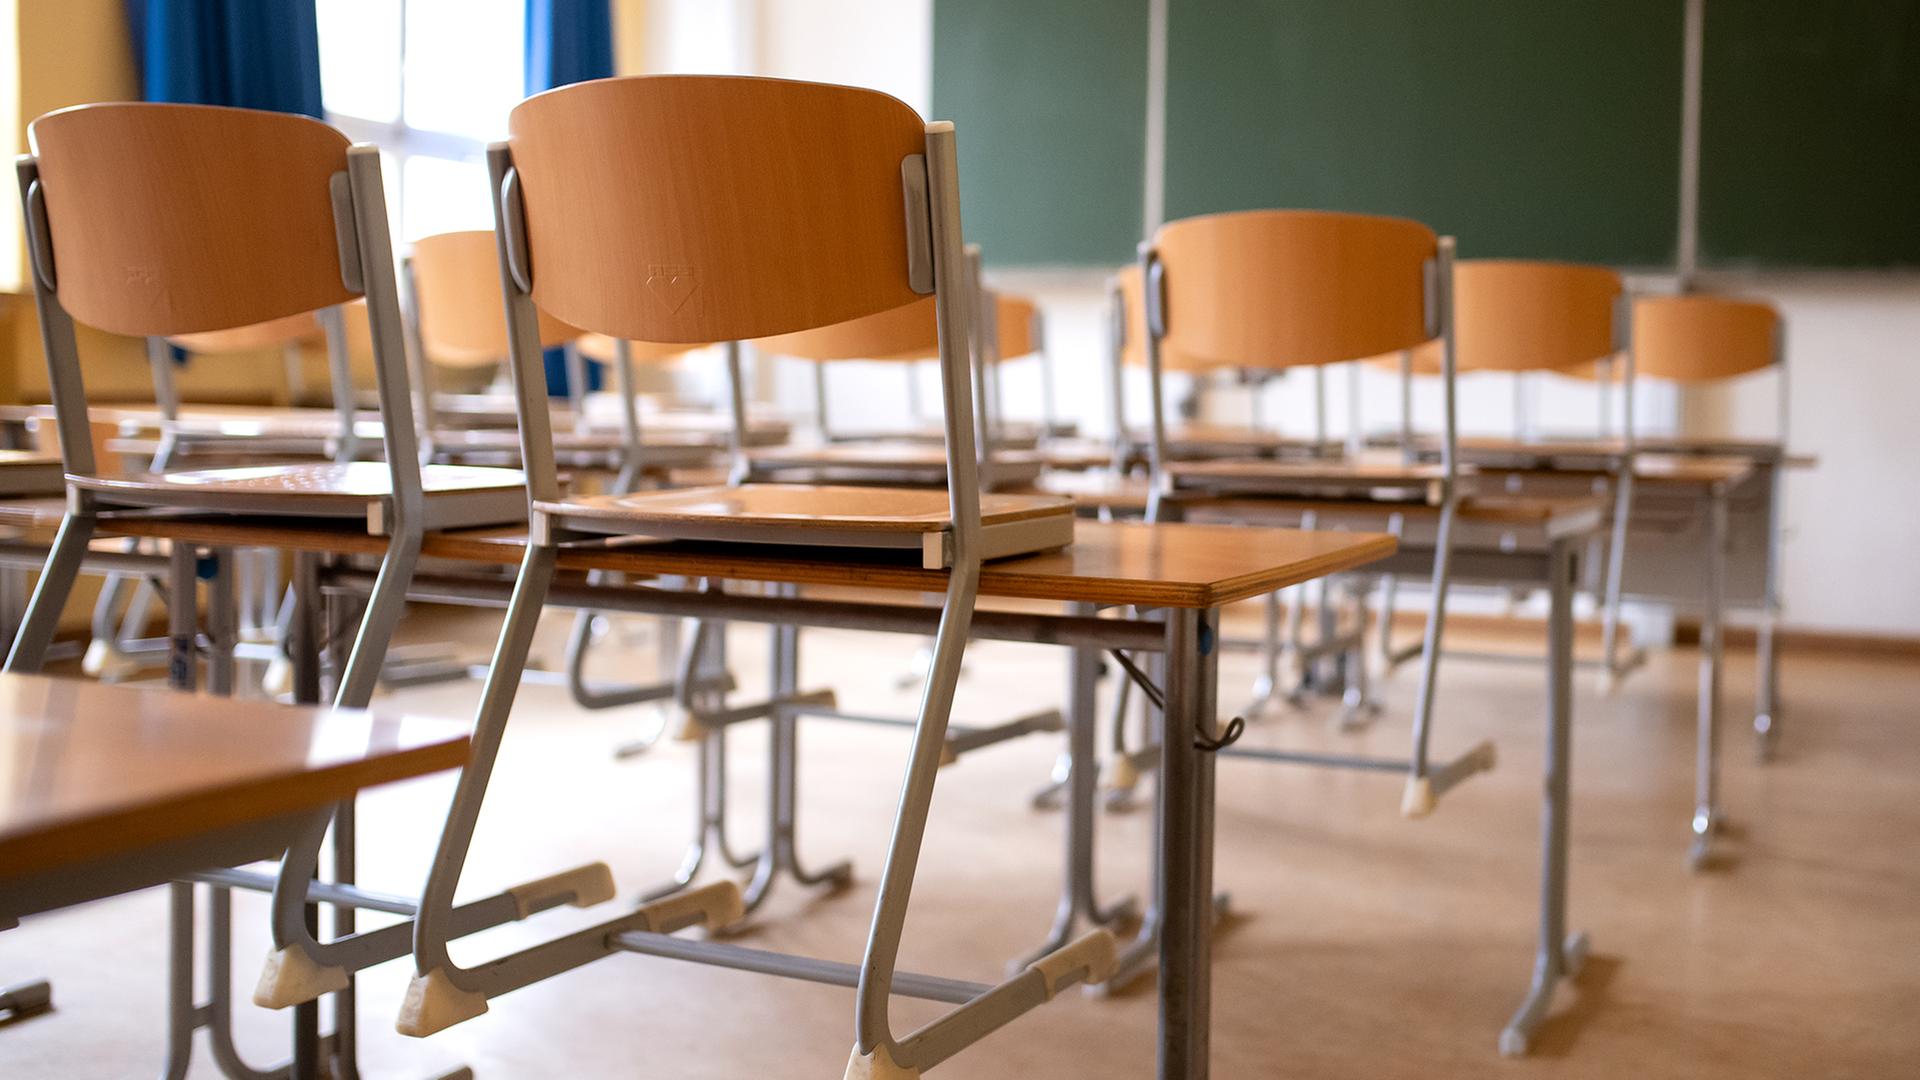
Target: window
<point x="430" y="82"/>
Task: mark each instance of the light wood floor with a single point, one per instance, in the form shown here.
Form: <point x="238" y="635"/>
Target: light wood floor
<point x="1365" y="946"/>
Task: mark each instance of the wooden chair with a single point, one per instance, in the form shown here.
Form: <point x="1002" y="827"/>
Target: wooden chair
<point x="1195" y="439"/>
<point x="231" y="218"/>
<point x="779" y="210"/>
<point x="456" y="321"/>
<point x="1522" y="317"/>
<point x="906" y="335"/>
<point x="1697" y="339"/>
<point x="1278" y="288"/>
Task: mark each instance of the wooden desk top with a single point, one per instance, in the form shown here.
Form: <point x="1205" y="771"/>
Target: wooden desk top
<point x="1185" y="566"/>
<point x="90" y="772"/>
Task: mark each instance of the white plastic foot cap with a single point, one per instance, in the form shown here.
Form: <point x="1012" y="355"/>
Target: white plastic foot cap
<point x="1417" y="800"/>
<point x="433" y="1004"/>
<point x="291" y="977"/>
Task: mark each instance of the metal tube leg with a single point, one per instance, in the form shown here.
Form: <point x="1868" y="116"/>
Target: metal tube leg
<point x="181" y="1021"/>
<point x="1766" y="719"/>
<point x="346" y="1036"/>
<point x="1185" y="849"/>
<point x="1077" y="894"/>
<point x="50" y="594"/>
<point x="1559" y="954"/>
<point x="871" y="1027"/>
<point x="1611" y="665"/>
<point x="182" y="618"/>
<point x="785" y="815"/>
<point x="432" y="929"/>
<point x="219" y="1010"/>
<point x="384" y="607"/>
<point x="1419" y="794"/>
<point x="223" y="615"/>
<point x="1707" y="815"/>
<point x="1266" y="688"/>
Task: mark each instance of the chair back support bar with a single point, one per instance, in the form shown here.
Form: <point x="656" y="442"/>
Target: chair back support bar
<point x="778" y="210"/>
<point x="1703" y="338"/>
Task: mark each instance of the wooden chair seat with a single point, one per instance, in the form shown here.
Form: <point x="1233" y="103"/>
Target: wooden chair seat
<point x="882" y="462"/>
<point x="455" y="494"/>
<point x="30" y="472"/>
<point x="821" y="515"/>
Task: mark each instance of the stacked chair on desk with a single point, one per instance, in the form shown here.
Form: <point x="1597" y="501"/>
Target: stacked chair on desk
<point x="1524" y="318"/>
<point x="1698" y="340"/>
<point x="456" y="322"/>
<point x="236" y="218"/>
<point x="1280" y="288"/>
<point x="585" y="216"/>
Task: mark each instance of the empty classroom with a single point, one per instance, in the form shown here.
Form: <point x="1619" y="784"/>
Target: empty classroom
<point x="975" y="538"/>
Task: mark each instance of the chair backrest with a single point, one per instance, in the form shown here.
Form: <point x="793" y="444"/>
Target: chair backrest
<point x="176" y="219"/>
<point x="1701" y="338"/>
<point x="907" y="332"/>
<point x="1278" y="288"/>
<point x="1512" y="315"/>
<point x="1017" y="320"/>
<point x="1131" y="323"/>
<point x="714" y="208"/>
<point x="163" y="220"/>
<point x="775" y="206"/>
<point x="457" y="305"/>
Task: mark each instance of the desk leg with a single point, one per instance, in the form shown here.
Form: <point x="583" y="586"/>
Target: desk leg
<point x="1560" y="954"/>
<point x="1186" y="846"/>
<point x="1077" y="900"/>
<point x="1707" y="814"/>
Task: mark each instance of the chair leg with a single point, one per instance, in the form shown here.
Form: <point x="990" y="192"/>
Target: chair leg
<point x="50" y="595"/>
<point x="384" y="608"/>
<point x="876" y="1053"/>
<point x="443" y="994"/>
<point x="1611" y="666"/>
<point x="1420" y="795"/>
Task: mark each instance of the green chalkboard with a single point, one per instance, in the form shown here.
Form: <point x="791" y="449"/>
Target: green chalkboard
<point x="1810" y="133"/>
<point x="1048" y="98"/>
<point x="1525" y="128"/>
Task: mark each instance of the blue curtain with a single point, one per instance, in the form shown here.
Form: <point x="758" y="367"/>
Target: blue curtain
<point x="256" y="54"/>
<point x="568" y="41"/>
